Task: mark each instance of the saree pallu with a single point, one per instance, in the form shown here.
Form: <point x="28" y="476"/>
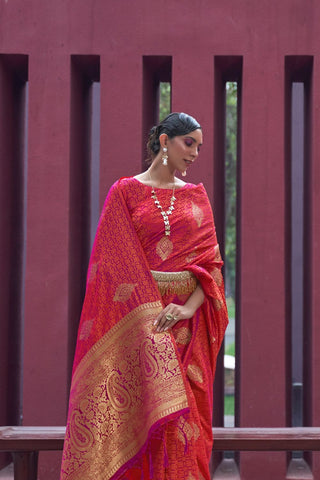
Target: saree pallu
<point x="140" y="402"/>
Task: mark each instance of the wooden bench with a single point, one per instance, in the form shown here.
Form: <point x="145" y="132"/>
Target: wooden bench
<point x="24" y="443"/>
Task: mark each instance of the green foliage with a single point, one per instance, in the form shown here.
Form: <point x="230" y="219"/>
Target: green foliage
<point x="230" y="349"/>
<point x="164" y="100"/>
<point x="231" y="307"/>
<point x="231" y="186"/>
<point x="229" y="405"/>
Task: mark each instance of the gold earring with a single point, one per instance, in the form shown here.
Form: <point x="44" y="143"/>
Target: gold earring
<point x="184" y="173"/>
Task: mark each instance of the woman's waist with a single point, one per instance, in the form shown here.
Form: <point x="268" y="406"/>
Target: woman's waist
<point x="175" y="283"/>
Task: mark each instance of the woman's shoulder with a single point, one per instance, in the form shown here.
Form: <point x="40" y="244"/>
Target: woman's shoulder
<point x="126" y="181"/>
<point x="134" y="183"/>
<point x="124" y="184"/>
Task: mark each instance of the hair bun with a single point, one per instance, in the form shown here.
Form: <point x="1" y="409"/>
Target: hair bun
<point x="153" y="130"/>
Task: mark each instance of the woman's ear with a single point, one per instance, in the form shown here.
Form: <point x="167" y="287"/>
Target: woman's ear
<point x="163" y="139"/>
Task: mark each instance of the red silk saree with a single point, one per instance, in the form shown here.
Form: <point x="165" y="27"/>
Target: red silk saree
<point x="141" y="402"/>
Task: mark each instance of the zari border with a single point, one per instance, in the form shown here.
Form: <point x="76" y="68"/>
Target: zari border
<point x="130" y="370"/>
<point x="114" y="334"/>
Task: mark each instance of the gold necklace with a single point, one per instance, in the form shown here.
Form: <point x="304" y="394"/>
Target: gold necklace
<point x="165" y="214"/>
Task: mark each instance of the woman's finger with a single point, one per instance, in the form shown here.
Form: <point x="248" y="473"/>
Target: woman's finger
<point x="162" y="315"/>
<point x="169" y="316"/>
<point x="164" y="321"/>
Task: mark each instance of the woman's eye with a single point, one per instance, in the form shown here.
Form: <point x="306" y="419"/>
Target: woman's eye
<point x="188" y="143"/>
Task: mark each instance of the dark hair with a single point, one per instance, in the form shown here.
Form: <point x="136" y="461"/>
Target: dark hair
<point x="173" y="125"/>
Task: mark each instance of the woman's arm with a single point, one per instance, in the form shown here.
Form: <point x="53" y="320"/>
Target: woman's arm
<point x="179" y="312"/>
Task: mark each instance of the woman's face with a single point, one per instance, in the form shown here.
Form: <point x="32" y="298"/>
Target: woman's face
<point x="184" y="149"/>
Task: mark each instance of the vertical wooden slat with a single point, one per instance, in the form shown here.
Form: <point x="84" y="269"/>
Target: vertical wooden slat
<point x="193" y="93"/>
<point x="314" y="351"/>
<point x="13" y="78"/>
<point x="262" y="303"/>
<point x="121" y="118"/>
<point x="46" y="281"/>
<point x="156" y="69"/>
<point x="84" y="70"/>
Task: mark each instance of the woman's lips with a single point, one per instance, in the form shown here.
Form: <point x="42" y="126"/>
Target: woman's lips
<point x="188" y="162"/>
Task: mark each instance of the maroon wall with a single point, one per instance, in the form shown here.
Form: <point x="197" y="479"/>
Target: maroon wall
<point x="43" y="238"/>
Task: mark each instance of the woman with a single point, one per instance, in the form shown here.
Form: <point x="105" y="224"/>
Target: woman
<point x="152" y="323"/>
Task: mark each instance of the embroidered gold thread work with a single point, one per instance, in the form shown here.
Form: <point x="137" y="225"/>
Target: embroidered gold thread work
<point x="217" y="303"/>
<point x="198" y="214"/>
<point x="86" y="329"/>
<point x="107" y="394"/>
<point x="217" y="276"/>
<point x="194" y="373"/>
<point x="177" y="283"/>
<point x="123" y="292"/>
<point x="164" y="248"/>
<point x="183" y="336"/>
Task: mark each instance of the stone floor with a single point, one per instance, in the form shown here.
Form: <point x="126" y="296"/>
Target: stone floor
<point x="7" y="473"/>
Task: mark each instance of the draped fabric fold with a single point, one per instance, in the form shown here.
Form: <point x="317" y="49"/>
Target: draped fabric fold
<point x="140" y="400"/>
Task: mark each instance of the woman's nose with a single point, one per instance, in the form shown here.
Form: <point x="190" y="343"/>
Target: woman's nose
<point x="195" y="151"/>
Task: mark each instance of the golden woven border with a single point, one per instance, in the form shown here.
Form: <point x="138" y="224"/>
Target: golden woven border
<point x="178" y="283"/>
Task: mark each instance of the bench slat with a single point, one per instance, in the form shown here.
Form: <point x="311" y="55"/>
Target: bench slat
<point x="267" y="439"/>
<point x="31" y="438"/>
<point x="245" y="439"/>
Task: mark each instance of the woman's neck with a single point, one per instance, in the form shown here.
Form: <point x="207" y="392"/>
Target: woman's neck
<point x="161" y="175"/>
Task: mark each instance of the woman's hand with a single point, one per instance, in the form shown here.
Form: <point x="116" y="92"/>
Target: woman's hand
<point x="173" y="313"/>
<point x="170" y="315"/>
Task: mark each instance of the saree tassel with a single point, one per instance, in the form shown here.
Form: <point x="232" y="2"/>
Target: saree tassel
<point x="184" y="283"/>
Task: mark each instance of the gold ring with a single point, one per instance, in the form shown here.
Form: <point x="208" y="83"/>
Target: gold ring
<point x="175" y="317"/>
<point x="169" y="316"/>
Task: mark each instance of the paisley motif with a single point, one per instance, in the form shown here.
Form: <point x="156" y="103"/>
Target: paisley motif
<point x="123" y="292"/>
<point x="217" y="276"/>
<point x="92" y="271"/>
<point x="198" y="214"/>
<point x="86" y="329"/>
<point x="191" y="257"/>
<point x="218" y="304"/>
<point x="217" y="255"/>
<point x="196" y="431"/>
<point x="118" y="396"/>
<point x="183" y="335"/>
<point x="148" y="362"/>
<point x="194" y="373"/>
<point x="173" y="365"/>
<point x="81" y="435"/>
<point x="185" y="431"/>
<point x="164" y="248"/>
